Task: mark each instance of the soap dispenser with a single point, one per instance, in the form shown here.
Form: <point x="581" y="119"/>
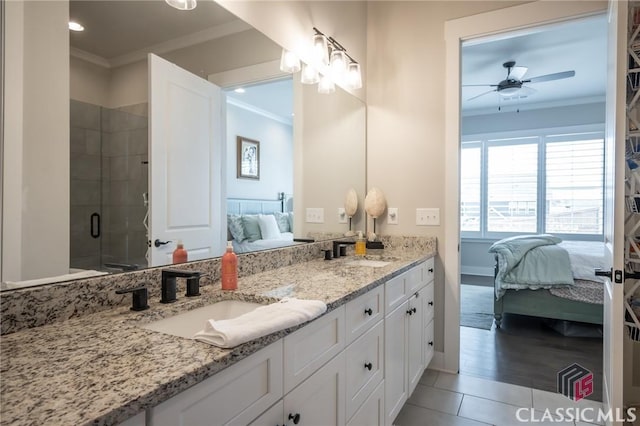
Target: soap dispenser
<point x="229" y="269"/>
<point x="361" y="245"/>
<point x="180" y="255"/>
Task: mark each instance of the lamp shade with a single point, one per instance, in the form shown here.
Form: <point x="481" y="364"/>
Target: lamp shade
<point x="351" y="202"/>
<point x="326" y="85"/>
<point x="338" y="63"/>
<point x="182" y="4"/>
<point x="320" y="49"/>
<point x="354" y="77"/>
<point x="375" y="203"/>
<point x="309" y="75"/>
<point x="289" y="62"/>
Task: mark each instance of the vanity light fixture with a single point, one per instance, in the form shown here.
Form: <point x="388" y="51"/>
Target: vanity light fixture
<point x="74" y="26"/>
<point x="320" y="47"/>
<point x="326" y="85"/>
<point x="289" y="62"/>
<point x="354" y="76"/>
<point x="182" y="4"/>
<point x="309" y="75"/>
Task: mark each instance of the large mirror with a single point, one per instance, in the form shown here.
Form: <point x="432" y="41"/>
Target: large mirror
<point x="107" y="153"/>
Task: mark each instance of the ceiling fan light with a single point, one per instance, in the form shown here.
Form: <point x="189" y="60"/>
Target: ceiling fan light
<point x="509" y="92"/>
<point x="182" y="4"/>
<point x="289" y="62"/>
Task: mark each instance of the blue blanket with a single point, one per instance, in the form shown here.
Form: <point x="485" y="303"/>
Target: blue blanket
<point x="531" y="262"/>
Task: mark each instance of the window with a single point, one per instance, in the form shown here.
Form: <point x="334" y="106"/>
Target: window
<point x="539" y="183"/>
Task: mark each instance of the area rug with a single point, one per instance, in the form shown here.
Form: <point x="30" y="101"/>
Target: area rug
<point x="476" y="306"/>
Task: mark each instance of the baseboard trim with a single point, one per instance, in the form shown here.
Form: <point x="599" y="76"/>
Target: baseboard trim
<point x="437" y="363"/>
<point x="484" y="271"/>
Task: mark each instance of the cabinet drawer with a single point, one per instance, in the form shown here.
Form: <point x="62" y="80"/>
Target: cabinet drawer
<point x="363" y="312"/>
<point x="309" y="348"/>
<point x="365" y="364"/>
<point x="428" y="344"/>
<point x="429" y="269"/>
<point x="236" y="395"/>
<point x="372" y="411"/>
<point x="273" y="416"/>
<point x="428" y="301"/>
<point x="415" y="279"/>
<point x="394" y="293"/>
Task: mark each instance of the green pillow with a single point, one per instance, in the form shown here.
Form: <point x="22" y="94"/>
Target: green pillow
<point x="251" y="227"/>
<point x="236" y="228"/>
<point x="282" y="219"/>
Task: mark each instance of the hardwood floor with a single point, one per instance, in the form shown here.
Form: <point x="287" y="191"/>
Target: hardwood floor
<point x="527" y="352"/>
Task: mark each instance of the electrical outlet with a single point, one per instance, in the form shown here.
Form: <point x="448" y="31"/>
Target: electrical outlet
<point x="428" y="217"/>
<point x="342" y="215"/>
<point x="315" y="215"/>
<point x="392" y="216"/>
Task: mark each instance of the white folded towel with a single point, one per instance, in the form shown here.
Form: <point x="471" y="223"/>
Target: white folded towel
<point x="262" y="321"/>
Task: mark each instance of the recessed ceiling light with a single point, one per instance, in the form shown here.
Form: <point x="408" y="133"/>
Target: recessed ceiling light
<point x="239" y="90"/>
<point x="74" y="26"/>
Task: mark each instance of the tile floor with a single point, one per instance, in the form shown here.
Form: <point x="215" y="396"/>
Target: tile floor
<point x="443" y="399"/>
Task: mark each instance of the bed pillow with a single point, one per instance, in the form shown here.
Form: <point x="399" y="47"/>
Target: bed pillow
<point x="283" y="221"/>
<point x="268" y="227"/>
<point x="290" y="221"/>
<point x="251" y="227"/>
<point x="236" y="227"/>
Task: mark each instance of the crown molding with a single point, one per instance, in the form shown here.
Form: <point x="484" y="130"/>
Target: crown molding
<point x="89" y="57"/>
<point x="259" y="111"/>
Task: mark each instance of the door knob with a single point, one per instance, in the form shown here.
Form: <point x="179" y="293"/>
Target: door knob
<point x="159" y="243"/>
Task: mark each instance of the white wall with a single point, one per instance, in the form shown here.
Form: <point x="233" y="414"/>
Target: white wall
<point x="37" y="137"/>
<point x="276" y="154"/>
<point x="89" y="82"/>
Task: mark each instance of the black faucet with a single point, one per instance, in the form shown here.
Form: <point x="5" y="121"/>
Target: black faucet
<point x="336" y="247"/>
<point x="168" y="291"/>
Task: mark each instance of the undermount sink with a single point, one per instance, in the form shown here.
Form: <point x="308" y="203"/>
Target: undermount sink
<point x="367" y="262"/>
<point x="189" y="323"/>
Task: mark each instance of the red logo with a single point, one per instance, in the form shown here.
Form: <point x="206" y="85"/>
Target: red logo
<point x="575" y="382"/>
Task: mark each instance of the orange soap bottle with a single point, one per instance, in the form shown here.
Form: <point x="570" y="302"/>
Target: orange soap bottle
<point x="229" y="269"/>
<point x="180" y="255"/>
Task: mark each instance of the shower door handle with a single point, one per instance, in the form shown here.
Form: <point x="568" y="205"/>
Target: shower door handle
<point x="95" y="225"/>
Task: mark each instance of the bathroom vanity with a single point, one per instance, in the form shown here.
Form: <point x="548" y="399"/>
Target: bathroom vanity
<point x="356" y="364"/>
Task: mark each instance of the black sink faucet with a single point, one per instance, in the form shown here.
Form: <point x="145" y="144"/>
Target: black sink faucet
<point x="337" y="244"/>
<point x="168" y="291"/>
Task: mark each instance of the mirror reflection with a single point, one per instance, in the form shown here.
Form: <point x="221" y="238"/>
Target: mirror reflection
<point x="109" y="196"/>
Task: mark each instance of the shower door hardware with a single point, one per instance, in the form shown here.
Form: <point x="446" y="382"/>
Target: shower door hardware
<point x="95" y="225"/>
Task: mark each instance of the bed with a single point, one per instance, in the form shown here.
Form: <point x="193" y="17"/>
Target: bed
<point x="260" y="224"/>
<point x="556" y="286"/>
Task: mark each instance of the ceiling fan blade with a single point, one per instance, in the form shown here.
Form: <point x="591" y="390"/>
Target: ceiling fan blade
<point x="481" y="94"/>
<point x="549" y="77"/>
<point x="517" y="73"/>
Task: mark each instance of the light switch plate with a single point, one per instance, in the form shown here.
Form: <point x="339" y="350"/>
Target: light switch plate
<point x="314" y="215"/>
<point x="342" y="215"/>
<point x="392" y="216"/>
<point x="428" y="217"/>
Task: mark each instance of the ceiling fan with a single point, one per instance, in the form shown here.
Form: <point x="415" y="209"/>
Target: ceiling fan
<point x="513" y="84"/>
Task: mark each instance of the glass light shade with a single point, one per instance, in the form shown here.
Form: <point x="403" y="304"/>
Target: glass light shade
<point x="354" y="76"/>
<point x="182" y="4"/>
<point x="326" y="85"/>
<point x="289" y="62"/>
<point x="338" y="63"/>
<point x="309" y="75"/>
<point x="320" y="48"/>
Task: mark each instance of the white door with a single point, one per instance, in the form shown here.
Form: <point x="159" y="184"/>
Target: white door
<point x="613" y="211"/>
<point x="185" y="164"/>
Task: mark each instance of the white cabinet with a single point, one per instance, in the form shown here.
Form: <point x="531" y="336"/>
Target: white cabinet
<point x="272" y="417"/>
<point x="363" y="312"/>
<point x="137" y="420"/>
<point x="320" y="399"/>
<point x="313" y="345"/>
<point x="405" y="333"/>
<point x="236" y="395"/>
<point x="365" y="367"/>
<point x="428" y="303"/>
<point x="371" y="413"/>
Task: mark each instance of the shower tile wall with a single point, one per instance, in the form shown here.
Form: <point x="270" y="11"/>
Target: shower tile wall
<point x="108" y="176"/>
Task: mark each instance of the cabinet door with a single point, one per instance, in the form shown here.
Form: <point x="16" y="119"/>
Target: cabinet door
<point x="236" y="395"/>
<point x="309" y="348"/>
<point x="365" y="366"/>
<point x="415" y="279"/>
<point x="274" y="416"/>
<point x="319" y="400"/>
<point x="428" y="303"/>
<point x="371" y="413"/>
<point x="395" y="362"/>
<point x="415" y="340"/>
<point x="428" y="344"/>
<point x="364" y="312"/>
<point x="394" y="292"/>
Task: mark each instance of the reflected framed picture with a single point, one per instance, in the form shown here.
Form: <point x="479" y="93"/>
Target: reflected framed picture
<point x="248" y="156"/>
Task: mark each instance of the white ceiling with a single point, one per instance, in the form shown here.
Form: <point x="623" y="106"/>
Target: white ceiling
<point x="579" y="45"/>
<point x="275" y="97"/>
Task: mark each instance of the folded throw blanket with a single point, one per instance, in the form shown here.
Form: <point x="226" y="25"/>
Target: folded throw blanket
<point x="531" y="262"/>
<point x="262" y="321"/>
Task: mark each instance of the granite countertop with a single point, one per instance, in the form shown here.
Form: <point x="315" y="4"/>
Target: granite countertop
<point x="103" y="368"/>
